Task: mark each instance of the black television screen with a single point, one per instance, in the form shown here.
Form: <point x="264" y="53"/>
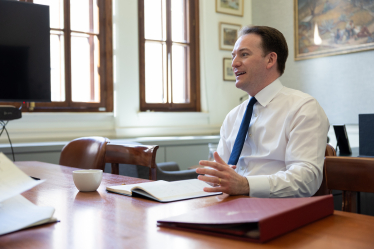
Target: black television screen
<point x="24" y="52"/>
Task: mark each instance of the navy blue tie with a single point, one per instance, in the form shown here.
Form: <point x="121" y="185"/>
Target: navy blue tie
<point x="243" y="130"/>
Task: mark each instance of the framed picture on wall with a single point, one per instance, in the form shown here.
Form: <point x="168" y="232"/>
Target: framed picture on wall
<point x="325" y="28"/>
<point x="228" y="33"/>
<point x="228" y="73"/>
<point x="231" y="7"/>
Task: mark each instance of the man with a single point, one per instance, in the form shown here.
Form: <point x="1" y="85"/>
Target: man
<point x="350" y="29"/>
<point x="285" y="140"/>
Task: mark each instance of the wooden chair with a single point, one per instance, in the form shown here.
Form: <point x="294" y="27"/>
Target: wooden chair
<point x="85" y="153"/>
<point x="142" y="155"/>
<point x="323" y="189"/>
<point x="351" y="175"/>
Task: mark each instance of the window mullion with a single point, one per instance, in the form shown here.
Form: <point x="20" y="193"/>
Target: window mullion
<point x="187" y="81"/>
<point x="92" y="51"/>
<point x="169" y="53"/>
<point x="67" y="32"/>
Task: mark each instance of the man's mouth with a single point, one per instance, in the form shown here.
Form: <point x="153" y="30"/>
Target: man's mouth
<point x="239" y="73"/>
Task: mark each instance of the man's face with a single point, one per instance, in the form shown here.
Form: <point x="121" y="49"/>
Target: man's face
<point x="249" y="63"/>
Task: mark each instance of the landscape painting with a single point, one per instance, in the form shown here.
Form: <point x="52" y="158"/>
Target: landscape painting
<point x="228" y="73"/>
<point x="228" y="34"/>
<point x="330" y="27"/>
<point x="231" y="7"/>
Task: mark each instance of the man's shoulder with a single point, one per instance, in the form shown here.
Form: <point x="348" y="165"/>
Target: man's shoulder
<point x="295" y="95"/>
<point x="294" y="100"/>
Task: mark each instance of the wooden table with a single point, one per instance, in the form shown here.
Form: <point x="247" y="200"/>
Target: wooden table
<point x="106" y="220"/>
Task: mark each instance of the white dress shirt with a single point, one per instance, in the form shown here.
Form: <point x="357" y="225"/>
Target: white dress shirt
<point x="284" y="151"/>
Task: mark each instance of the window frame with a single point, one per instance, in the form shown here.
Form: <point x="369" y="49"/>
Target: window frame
<point x="193" y="65"/>
<point x="105" y="38"/>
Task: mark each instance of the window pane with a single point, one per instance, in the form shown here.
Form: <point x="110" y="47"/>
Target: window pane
<point x="57" y="66"/>
<point x="180" y="76"/>
<point x="155" y="72"/>
<point x="155" y="19"/>
<point x="82" y="17"/>
<point x="84" y="68"/>
<point x="56" y="12"/>
<point x="179" y="20"/>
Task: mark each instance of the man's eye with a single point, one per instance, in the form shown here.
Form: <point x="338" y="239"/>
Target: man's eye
<point x="244" y="54"/>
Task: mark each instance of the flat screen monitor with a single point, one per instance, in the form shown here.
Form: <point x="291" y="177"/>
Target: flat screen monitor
<point x="366" y="134"/>
<point x="25" y="74"/>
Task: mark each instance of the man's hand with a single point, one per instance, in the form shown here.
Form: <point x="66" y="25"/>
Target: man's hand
<point x="225" y="176"/>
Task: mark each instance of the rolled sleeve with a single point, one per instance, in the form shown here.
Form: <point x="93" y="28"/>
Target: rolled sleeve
<point x="259" y="186"/>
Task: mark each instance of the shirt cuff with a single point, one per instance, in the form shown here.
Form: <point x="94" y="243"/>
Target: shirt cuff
<point x="259" y="186"/>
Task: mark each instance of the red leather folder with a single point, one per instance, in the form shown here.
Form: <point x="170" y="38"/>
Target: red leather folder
<point x="253" y="219"/>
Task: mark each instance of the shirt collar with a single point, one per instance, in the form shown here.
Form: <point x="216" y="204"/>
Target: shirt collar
<point x="268" y="93"/>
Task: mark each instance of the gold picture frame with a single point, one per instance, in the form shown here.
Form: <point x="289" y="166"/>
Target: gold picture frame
<point x="230" y="7"/>
<point x="332" y="27"/>
<point x="228" y="72"/>
<point x="228" y="34"/>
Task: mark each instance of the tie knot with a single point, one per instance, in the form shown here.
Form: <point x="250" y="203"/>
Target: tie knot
<point x="252" y="101"/>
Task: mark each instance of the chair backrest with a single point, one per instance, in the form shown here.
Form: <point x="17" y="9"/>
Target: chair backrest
<point x="323" y="189"/>
<point x="85" y="153"/>
<point x="142" y="155"/>
<point x="351" y="175"/>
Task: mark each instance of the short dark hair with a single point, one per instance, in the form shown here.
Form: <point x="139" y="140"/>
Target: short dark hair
<point x="272" y="41"/>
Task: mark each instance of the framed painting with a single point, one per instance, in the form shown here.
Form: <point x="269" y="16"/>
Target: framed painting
<point x="231" y="7"/>
<point x="331" y="27"/>
<point x="228" y="34"/>
<point x="228" y="73"/>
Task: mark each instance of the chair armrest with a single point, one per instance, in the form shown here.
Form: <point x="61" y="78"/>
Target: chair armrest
<point x="176" y="175"/>
<point x="168" y="166"/>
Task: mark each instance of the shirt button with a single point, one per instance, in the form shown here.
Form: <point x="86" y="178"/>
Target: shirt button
<point x="250" y="135"/>
<point x="255" y="115"/>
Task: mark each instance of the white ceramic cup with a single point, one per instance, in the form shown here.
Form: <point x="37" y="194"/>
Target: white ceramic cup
<point x="87" y="180"/>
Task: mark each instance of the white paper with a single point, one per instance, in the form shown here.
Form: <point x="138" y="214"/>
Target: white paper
<point x="179" y="190"/>
<point x="17" y="213"/>
<point x="127" y="189"/>
<point x="13" y="181"/>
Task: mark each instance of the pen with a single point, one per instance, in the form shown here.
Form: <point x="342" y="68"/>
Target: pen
<point x="35" y="178"/>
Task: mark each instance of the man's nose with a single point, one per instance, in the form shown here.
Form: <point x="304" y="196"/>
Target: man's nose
<point x="235" y="62"/>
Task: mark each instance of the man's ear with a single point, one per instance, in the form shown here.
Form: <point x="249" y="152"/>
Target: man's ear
<point x="272" y="60"/>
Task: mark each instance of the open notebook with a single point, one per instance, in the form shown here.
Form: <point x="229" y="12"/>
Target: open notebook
<point x="16" y="212"/>
<point x="163" y="191"/>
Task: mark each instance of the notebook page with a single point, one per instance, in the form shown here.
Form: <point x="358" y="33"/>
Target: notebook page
<point x="179" y="190"/>
<point x="127" y="189"/>
<point x="13" y="181"/>
<point x="17" y="213"/>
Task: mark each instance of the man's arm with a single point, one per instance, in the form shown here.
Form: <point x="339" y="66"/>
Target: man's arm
<point x="306" y="129"/>
<point x="304" y="153"/>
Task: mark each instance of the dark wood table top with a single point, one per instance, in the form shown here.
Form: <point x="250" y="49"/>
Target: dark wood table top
<point x="106" y="220"/>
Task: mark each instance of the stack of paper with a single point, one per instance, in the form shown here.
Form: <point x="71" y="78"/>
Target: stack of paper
<point x="16" y="212"/>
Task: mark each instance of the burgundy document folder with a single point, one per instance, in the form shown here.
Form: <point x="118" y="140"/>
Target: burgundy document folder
<point x="253" y="219"/>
